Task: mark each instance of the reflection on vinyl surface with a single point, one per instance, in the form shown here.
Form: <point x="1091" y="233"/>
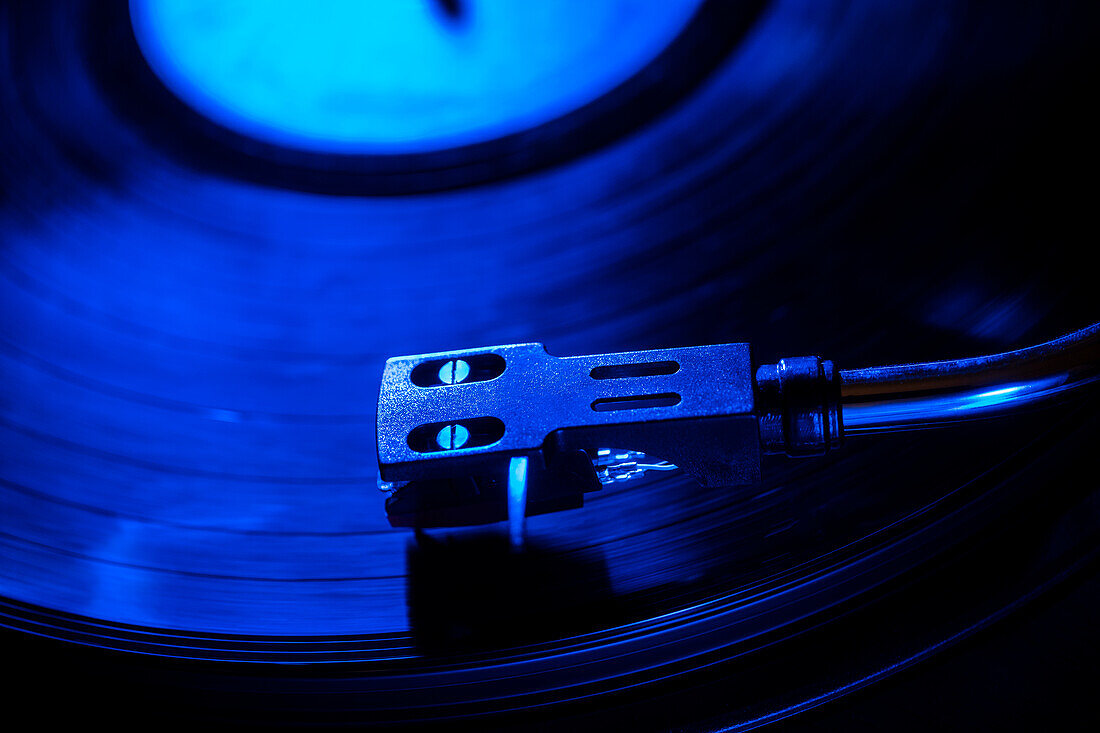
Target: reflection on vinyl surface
<point x="194" y="325"/>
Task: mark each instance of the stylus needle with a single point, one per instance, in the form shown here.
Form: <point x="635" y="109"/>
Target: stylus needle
<point x="517" y="500"/>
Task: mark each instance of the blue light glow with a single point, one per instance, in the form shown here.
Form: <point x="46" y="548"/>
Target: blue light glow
<point x="359" y="76"/>
<point x="517" y="500"/>
<point x="191" y="361"/>
<point x="983" y="402"/>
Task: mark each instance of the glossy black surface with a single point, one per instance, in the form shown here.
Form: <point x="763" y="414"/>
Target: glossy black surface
<point x="190" y="349"/>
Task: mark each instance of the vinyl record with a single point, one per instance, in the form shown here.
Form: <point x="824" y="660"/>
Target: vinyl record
<point x="198" y="300"/>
